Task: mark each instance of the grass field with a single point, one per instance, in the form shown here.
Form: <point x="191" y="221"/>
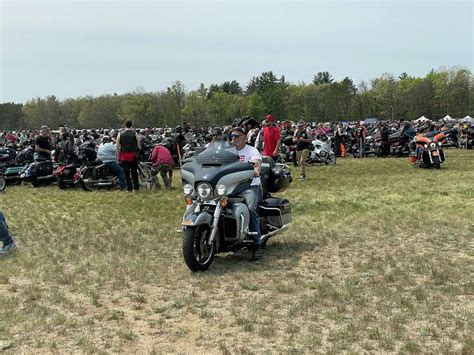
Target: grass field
<point x="379" y="258"/>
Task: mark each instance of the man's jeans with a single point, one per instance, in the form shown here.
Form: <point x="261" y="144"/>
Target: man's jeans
<point x="117" y="170"/>
<point x="252" y="198"/>
<point x="163" y="170"/>
<point x="37" y="156"/>
<point x="4" y="235"/>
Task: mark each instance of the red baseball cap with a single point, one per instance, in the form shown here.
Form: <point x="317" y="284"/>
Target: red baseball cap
<point x="270" y="118"/>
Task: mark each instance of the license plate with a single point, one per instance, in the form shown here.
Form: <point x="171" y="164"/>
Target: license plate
<point x="435" y="153"/>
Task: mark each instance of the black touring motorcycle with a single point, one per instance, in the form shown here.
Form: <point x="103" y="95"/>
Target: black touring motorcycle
<point x="216" y="218"/>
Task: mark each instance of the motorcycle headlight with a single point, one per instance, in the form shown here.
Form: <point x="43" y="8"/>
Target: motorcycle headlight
<point x="187" y="189"/>
<point x="221" y="190"/>
<point x="440" y="144"/>
<point x="426" y="145"/>
<point x="204" y="190"/>
<point x="433" y="145"/>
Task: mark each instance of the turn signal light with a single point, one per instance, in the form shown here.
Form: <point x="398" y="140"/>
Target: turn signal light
<point x="223" y="202"/>
<point x="189" y="201"/>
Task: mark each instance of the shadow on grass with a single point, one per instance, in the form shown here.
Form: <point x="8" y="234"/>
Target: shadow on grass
<point x="277" y="255"/>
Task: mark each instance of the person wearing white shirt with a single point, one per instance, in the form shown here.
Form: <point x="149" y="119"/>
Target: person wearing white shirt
<point x="253" y="194"/>
<point x="108" y="154"/>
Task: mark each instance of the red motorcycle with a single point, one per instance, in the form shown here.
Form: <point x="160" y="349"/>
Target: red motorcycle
<point x="67" y="176"/>
<point x="429" y="150"/>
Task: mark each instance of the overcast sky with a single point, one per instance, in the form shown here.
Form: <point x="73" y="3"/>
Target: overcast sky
<point x="76" y="48"/>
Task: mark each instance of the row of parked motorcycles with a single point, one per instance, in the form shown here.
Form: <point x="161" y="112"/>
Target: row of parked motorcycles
<point x="84" y="172"/>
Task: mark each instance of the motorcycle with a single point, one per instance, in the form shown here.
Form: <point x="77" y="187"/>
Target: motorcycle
<point x="39" y="172"/>
<point x="451" y="138"/>
<point x="95" y="174"/>
<point x="216" y="218"/>
<point x="466" y="138"/>
<point x="429" y="150"/>
<point x="322" y="153"/>
<point x="67" y="175"/>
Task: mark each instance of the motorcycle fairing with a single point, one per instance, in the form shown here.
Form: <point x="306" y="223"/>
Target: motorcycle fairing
<point x="197" y="219"/>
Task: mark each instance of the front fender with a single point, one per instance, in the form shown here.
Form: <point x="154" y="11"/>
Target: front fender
<point x="197" y="219"/>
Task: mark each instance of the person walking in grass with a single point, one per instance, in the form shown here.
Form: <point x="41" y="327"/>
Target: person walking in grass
<point x="302" y="138"/>
<point x="5" y="237"/>
<point x="271" y="138"/>
<point x="128" y="146"/>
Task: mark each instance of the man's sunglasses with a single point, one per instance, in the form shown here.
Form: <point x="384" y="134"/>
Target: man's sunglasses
<point x="236" y="136"/>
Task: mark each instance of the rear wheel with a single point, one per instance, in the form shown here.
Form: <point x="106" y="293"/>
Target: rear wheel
<point x="88" y="185"/>
<point x="61" y="183"/>
<point x="198" y="255"/>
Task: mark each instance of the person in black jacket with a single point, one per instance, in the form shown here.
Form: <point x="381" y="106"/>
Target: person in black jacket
<point x="128" y="146"/>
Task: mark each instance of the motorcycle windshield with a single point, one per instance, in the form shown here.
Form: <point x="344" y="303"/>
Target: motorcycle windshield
<point x="215" y="163"/>
<point x="217" y="153"/>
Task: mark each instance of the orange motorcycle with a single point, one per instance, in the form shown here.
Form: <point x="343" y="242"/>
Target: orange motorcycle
<point x="429" y="150"/>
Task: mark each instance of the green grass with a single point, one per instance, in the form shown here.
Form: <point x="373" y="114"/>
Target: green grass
<point x="378" y="259"/>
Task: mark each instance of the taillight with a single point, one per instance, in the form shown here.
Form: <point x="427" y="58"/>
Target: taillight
<point x="59" y="170"/>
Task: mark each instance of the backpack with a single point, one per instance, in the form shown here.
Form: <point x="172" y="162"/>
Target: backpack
<point x="66" y="150"/>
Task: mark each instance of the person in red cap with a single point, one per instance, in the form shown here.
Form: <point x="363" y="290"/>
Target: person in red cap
<point x="271" y="138"/>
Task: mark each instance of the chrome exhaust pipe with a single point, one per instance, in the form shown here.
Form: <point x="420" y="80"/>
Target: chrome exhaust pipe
<point x="272" y="233"/>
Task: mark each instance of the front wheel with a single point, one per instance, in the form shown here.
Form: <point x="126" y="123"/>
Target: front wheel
<point x="331" y="160"/>
<point x="34" y="181"/>
<point x="198" y="255"/>
<point x="3" y="183"/>
<point x="436" y="162"/>
<point x="88" y="185"/>
<point x="145" y="174"/>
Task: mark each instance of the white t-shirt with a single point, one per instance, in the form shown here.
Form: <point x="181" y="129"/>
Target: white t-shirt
<point x="248" y="153"/>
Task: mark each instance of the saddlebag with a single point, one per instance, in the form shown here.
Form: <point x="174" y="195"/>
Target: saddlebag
<point x="43" y="168"/>
<point x="277" y="211"/>
<point x="274" y="177"/>
<point x="12" y="174"/>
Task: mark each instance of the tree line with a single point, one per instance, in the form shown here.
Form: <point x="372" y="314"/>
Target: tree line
<point x="441" y="92"/>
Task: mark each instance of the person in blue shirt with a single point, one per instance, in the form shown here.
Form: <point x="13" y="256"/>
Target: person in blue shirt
<point x="108" y="154"/>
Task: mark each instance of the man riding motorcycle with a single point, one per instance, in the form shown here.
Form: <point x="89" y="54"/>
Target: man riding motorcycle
<point x="252" y="195"/>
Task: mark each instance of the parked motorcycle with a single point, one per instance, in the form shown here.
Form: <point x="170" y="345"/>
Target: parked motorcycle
<point x="322" y="153"/>
<point x="216" y="218"/>
<point x="39" y="173"/>
<point x="466" y="138"/>
<point x="68" y="175"/>
<point x="429" y="152"/>
<point x="95" y="174"/>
